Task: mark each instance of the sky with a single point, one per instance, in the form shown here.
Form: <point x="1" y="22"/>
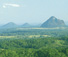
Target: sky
<point x="32" y="11"/>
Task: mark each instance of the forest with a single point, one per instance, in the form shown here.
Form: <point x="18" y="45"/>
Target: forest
<point x="25" y="42"/>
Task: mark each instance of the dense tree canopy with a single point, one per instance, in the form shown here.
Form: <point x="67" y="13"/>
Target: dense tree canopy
<point x="34" y="43"/>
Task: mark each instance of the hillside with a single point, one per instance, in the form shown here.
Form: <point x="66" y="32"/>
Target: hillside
<point x="9" y="25"/>
<point x="53" y="22"/>
<point x="26" y="25"/>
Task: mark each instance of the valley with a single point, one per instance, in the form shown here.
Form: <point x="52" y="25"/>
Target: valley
<point x="35" y="42"/>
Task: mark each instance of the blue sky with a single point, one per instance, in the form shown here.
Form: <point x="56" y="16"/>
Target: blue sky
<point x="32" y="11"/>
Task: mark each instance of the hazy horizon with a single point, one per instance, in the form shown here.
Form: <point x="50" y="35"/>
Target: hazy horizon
<point x="32" y="11"/>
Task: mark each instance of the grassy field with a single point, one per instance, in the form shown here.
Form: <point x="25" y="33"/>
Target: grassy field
<point x="7" y="36"/>
<point x="31" y="36"/>
<point x="42" y="28"/>
<point x="21" y="36"/>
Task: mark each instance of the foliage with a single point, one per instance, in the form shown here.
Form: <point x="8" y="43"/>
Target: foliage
<point x="17" y="43"/>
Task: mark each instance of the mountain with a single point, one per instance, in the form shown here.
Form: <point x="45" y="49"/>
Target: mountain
<point x="10" y="25"/>
<point x="26" y="25"/>
<point x="53" y="22"/>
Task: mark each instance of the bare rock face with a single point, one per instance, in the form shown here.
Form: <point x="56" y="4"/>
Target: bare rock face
<point x="53" y="22"/>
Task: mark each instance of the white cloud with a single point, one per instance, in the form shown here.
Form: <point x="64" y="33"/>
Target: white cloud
<point x="12" y="5"/>
<point x="4" y="6"/>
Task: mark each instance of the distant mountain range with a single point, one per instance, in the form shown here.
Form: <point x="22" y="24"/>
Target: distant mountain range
<point x="13" y="25"/>
<point x="51" y="22"/>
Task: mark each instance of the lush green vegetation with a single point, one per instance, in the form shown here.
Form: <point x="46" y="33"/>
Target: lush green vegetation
<point x="34" y="43"/>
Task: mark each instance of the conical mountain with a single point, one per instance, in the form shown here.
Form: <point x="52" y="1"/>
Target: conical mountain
<point x="53" y="22"/>
<point x="26" y="25"/>
<point x="10" y="25"/>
